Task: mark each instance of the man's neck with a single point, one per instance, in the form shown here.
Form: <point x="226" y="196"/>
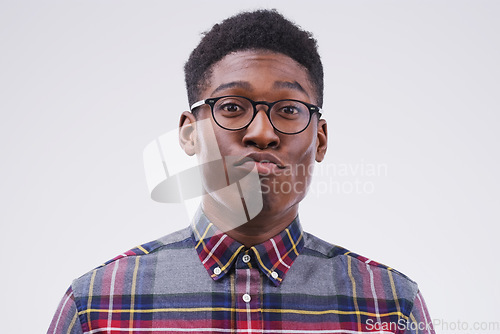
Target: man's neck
<point x="261" y="228"/>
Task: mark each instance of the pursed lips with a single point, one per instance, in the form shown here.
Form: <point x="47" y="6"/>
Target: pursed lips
<point x="263" y="158"/>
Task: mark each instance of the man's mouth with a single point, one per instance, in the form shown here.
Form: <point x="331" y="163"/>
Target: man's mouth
<point x="265" y="163"/>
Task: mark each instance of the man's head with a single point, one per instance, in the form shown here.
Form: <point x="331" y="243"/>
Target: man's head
<point x="260" y="58"/>
<point x="259" y="30"/>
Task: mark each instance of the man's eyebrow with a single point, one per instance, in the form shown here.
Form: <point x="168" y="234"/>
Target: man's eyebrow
<point x="247" y="86"/>
<point x="289" y="85"/>
<point x="233" y="84"/>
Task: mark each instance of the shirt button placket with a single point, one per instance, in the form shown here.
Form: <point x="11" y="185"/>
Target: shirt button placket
<point x="248" y="291"/>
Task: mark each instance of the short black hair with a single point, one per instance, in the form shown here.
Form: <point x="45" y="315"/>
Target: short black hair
<point x="261" y="29"/>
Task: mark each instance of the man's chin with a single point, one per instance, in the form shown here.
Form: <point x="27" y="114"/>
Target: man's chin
<point x="239" y="201"/>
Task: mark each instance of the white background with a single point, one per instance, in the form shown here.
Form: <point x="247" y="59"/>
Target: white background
<point x="410" y="85"/>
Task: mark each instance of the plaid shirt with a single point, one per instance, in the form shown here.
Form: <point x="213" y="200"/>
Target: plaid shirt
<point x="199" y="280"/>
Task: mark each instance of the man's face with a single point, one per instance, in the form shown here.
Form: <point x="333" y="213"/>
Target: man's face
<point x="284" y="162"/>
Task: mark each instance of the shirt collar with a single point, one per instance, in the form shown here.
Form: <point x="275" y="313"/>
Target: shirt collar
<point x="218" y="251"/>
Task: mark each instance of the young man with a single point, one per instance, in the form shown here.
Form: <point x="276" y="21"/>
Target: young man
<point x="255" y="84"/>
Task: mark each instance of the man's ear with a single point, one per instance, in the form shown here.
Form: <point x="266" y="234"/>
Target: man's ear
<point x="322" y="142"/>
<point x="187" y="133"/>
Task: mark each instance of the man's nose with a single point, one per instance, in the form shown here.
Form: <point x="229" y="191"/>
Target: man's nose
<point x="261" y="133"/>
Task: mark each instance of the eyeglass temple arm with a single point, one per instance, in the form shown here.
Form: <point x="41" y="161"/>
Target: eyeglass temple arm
<point x="197" y="104"/>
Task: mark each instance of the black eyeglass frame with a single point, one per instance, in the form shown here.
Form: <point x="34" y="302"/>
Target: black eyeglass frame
<point x="212" y="101"/>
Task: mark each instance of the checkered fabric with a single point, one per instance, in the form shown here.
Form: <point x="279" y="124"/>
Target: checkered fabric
<point x="199" y="280"/>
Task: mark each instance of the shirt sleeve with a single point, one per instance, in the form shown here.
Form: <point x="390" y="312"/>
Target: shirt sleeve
<point x="420" y="321"/>
<point x="65" y="319"/>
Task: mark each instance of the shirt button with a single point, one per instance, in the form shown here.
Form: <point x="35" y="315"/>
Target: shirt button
<point x="246" y="258"/>
<point x="246" y="298"/>
<point x="217" y="271"/>
<point x="274" y="275"/>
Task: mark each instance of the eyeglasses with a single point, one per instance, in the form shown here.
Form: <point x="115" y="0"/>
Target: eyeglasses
<point x="235" y="112"/>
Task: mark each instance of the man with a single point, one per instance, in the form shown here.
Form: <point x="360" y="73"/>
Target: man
<point x="255" y="84"/>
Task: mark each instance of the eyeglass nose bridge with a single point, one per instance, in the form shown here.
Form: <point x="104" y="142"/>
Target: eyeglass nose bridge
<point x="269" y="105"/>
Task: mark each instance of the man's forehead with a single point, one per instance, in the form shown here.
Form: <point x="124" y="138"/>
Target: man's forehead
<point x="250" y="70"/>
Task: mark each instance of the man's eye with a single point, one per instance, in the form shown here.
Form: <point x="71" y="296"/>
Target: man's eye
<point x="290" y="110"/>
<point x="231" y="107"/>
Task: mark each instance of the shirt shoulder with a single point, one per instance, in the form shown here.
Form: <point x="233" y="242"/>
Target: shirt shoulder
<point x="147" y="253"/>
<point x="174" y="240"/>
<point x="325" y="249"/>
<point x="359" y="267"/>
